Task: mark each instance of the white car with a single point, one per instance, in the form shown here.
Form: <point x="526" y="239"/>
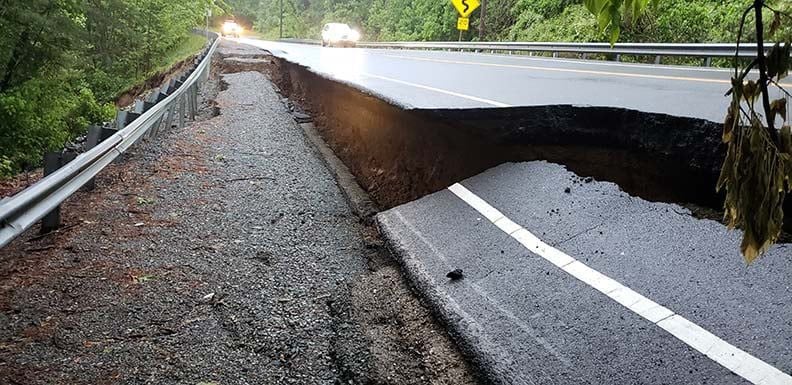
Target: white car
<point x="339" y="34"/>
<point x="231" y="28"/>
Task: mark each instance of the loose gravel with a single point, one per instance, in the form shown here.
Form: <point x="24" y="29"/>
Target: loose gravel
<point x="220" y="253"/>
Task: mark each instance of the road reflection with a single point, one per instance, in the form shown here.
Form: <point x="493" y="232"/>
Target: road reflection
<point x="342" y="63"/>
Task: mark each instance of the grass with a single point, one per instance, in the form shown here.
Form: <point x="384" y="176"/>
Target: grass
<point x="190" y="46"/>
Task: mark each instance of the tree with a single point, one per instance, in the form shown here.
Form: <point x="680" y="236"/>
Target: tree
<point x="757" y="170"/>
<point x="62" y="62"/>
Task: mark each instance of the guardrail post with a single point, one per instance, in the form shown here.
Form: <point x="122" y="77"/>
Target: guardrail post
<point x="169" y="119"/>
<point x="125" y="117"/>
<point x="194" y="95"/>
<point x="96" y="134"/>
<point x="153" y="98"/>
<point x="188" y="100"/>
<point x="657" y="59"/>
<point x="52" y="162"/>
<point x="618" y="57"/>
<point x="708" y="62"/>
<point x="181" y="110"/>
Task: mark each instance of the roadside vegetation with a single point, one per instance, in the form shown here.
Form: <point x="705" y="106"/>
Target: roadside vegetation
<point x="63" y="64"/>
<point x="689" y="21"/>
<point x="757" y="170"/>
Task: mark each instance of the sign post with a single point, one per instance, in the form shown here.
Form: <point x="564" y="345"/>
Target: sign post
<point x="465" y="8"/>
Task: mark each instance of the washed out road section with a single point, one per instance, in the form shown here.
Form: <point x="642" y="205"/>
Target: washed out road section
<point x="441" y="79"/>
<point x="223" y="252"/>
<point x="529" y="320"/>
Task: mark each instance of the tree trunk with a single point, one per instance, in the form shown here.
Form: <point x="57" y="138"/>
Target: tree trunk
<point x="482" y="17"/>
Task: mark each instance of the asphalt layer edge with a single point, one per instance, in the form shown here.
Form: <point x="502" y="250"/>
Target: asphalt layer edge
<point x="356" y="197"/>
<point x="493" y="366"/>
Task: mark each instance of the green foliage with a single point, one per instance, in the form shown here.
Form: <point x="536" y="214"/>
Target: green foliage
<point x="41" y="115"/>
<point x="62" y="63"/>
<point x="573" y="24"/>
<point x="611" y="14"/>
<point x="526" y="20"/>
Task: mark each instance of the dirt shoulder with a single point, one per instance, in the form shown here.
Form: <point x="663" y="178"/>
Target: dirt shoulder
<point x="219" y="253"/>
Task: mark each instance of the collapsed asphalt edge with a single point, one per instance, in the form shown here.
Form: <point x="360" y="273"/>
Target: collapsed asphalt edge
<point x="495" y="366"/>
<point x="356" y="197"/>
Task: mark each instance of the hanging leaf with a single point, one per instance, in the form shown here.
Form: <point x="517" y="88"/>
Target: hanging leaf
<point x="778" y="107"/>
<point x="783" y="59"/>
<point x="773" y="60"/>
<point x="615" y="25"/>
<point x="737" y="88"/>
<point x="750" y="91"/>
<point x="786" y="140"/>
<point x="776" y="24"/>
<point x="595" y="6"/>
<point x="732" y="119"/>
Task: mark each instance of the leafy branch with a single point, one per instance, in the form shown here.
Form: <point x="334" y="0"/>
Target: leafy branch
<point x="609" y="13"/>
<point x="758" y="165"/>
<point x="757" y="170"/>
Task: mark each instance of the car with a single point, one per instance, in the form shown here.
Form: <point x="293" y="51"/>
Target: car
<point x="339" y="35"/>
<point x="231" y="28"/>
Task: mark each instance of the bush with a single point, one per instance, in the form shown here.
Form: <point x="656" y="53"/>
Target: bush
<point x="573" y="24"/>
<point x="41" y="115"/>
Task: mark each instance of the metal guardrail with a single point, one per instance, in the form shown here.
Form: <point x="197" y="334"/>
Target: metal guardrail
<point x="658" y="50"/>
<point x="177" y="99"/>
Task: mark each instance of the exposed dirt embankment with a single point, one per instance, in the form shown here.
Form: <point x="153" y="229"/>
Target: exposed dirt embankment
<point x="399" y="155"/>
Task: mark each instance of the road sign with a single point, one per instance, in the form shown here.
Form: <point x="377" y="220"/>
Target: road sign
<point x="463" y="23"/>
<point x="465" y="7"/>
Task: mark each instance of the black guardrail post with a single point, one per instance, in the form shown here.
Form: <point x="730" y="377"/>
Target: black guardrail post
<point x="123" y="118"/>
<point x="193" y="95"/>
<point x="96" y="134"/>
<point x="142" y="106"/>
<point x="181" y="110"/>
<point x="52" y="162"/>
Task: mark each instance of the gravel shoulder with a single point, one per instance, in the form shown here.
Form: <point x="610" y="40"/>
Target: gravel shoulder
<point x="220" y="253"/>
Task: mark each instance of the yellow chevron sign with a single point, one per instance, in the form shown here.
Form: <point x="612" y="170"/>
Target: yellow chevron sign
<point x="465" y="7"/>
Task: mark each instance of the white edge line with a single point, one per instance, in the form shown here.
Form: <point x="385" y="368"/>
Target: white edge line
<point x="729" y="356"/>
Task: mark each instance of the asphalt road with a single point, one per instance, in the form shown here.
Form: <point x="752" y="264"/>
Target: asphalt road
<point x="594" y="286"/>
<point x="581" y="286"/>
<point x="441" y="79"/>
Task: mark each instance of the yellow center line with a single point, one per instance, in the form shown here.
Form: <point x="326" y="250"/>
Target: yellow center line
<point x="577" y="71"/>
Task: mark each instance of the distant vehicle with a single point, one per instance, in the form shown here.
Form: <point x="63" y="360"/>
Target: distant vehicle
<point x="339" y="35"/>
<point x="231" y="28"/>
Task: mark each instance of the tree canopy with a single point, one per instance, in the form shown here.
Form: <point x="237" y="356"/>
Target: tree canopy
<point x="63" y="61"/>
<point x="694" y="21"/>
